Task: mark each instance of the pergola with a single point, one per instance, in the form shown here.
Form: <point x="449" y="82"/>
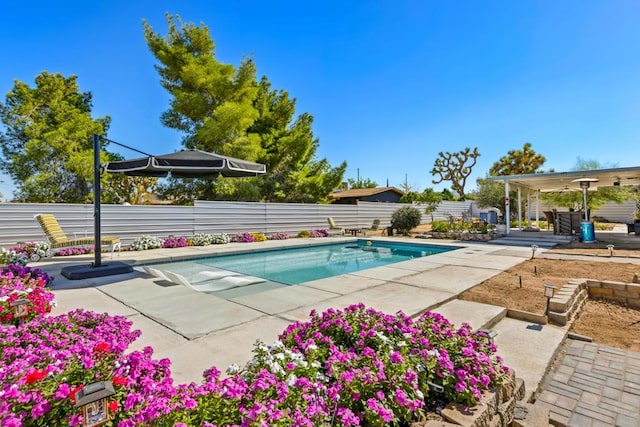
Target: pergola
<point x="564" y="181"/>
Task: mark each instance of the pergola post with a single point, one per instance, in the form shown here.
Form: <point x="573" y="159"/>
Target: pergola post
<point x="519" y="209"/>
<point x="538" y="208"/>
<point x="507" y="207"/>
<point x="527" y="211"/>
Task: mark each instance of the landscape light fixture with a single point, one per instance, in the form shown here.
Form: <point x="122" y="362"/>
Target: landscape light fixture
<point x="549" y="290"/>
<point x="534" y="248"/>
<point x="435" y="387"/>
<point x="93" y="399"/>
<point x="488" y="334"/>
<point x="610" y="247"/>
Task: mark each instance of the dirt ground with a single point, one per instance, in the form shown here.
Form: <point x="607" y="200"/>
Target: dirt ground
<point x="521" y="287"/>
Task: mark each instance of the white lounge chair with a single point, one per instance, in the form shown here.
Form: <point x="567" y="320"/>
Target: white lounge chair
<point x="220" y="284"/>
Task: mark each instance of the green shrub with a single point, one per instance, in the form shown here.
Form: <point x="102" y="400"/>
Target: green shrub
<point x="440" y="226"/>
<point x="406" y="218"/>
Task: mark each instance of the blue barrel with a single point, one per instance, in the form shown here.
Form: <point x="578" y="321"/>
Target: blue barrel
<point x="586" y="229"/>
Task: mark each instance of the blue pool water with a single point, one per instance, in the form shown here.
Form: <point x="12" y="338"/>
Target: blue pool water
<point x="298" y="265"/>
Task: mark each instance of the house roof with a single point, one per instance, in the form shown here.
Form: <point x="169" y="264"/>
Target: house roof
<point x="363" y="192"/>
<point x="559" y="181"/>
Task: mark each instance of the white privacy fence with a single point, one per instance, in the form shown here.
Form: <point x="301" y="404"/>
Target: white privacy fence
<point x="129" y="222"/>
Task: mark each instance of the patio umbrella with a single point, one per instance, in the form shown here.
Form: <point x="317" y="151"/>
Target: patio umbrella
<point x="181" y="164"/>
<point x="187" y="164"/>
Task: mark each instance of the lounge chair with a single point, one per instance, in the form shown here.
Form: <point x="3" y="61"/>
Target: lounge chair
<point x="373" y="229"/>
<point x="219" y="284"/>
<point x="333" y="227"/>
<point x="58" y="239"/>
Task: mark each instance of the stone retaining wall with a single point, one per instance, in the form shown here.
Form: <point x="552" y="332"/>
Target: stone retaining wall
<point x="497" y="408"/>
<point x="568" y="300"/>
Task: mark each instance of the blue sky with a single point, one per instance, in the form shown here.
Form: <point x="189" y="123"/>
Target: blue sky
<point x="390" y="83"/>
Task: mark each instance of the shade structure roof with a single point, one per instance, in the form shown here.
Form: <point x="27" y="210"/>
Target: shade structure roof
<point x="187" y="164"/>
<point x="563" y="181"/>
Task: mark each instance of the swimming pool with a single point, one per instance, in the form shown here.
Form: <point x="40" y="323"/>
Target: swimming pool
<point x="284" y="267"/>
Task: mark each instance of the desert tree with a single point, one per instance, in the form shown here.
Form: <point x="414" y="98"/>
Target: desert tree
<point x="518" y="162"/>
<point x="456" y="168"/>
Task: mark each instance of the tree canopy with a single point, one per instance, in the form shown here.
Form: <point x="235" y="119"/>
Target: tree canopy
<point x="361" y="183"/>
<point x="46" y="145"/>
<point x="224" y="109"/>
<point x="518" y="162"/>
<point x="453" y="167"/>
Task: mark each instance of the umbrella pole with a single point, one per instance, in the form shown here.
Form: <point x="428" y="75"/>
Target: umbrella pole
<point x="96" y="201"/>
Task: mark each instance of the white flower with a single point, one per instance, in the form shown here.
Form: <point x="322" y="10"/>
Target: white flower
<point x="233" y="369"/>
<point x="291" y="380"/>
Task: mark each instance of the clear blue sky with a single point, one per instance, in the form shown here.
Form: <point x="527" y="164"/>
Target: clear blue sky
<point x="390" y="83"/>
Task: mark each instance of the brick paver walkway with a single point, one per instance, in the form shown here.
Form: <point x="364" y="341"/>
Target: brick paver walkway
<point x="593" y="385"/>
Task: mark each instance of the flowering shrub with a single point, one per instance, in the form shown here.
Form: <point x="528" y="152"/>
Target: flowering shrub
<point x="19" y="282"/>
<point x="48" y="359"/>
<point x="279" y="236"/>
<point x="203" y="239"/>
<point x="74" y="251"/>
<point x="8" y="257"/>
<point x="33" y="250"/>
<point x="242" y="238"/>
<point x="345" y="368"/>
<point x="320" y="232"/>
<point x="146" y="242"/>
<point x="200" y="239"/>
<point x="174" y="242"/>
<point x="259" y="237"/>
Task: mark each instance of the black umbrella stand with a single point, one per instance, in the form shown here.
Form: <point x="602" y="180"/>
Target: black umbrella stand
<point x="97" y="268"/>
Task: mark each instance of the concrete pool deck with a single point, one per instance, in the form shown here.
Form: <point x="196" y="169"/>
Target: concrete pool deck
<point x="197" y="331"/>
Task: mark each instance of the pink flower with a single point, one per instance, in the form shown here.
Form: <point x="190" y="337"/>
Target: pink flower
<point x="62" y="392"/>
<point x="396" y="357"/>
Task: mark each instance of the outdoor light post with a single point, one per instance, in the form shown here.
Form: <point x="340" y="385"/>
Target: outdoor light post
<point x="610" y="247"/>
<point x="534" y="248"/>
<point x="549" y="290"/>
<point x="93" y="401"/>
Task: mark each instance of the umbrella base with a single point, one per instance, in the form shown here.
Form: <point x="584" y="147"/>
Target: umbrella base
<point x="88" y="271"/>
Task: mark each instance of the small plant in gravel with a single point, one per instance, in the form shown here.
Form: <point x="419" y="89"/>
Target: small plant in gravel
<point x="441" y="227"/>
<point x="280" y="235"/>
<point x="146" y="242"/>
